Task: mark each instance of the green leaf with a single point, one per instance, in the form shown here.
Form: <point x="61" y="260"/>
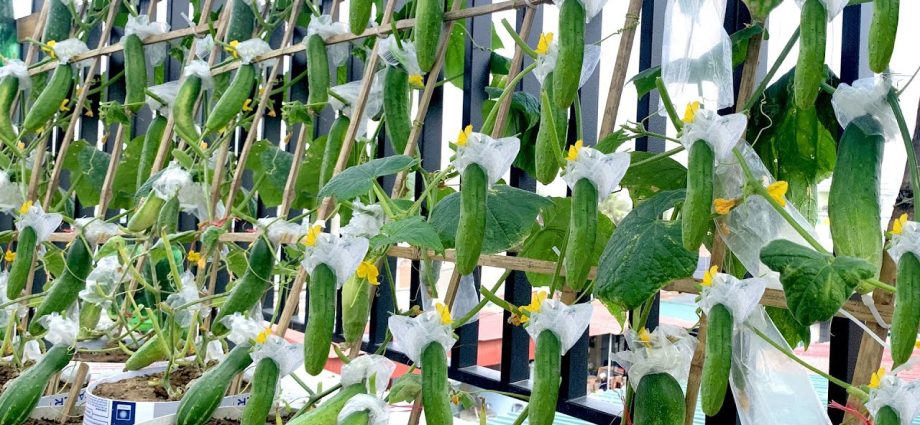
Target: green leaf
<point x="816" y="284"/>
<point x="644" y="255"/>
<point x="358" y="180"/>
<point x="125" y="184"/>
<point x="53" y="260"/>
<point x="405" y="388"/>
<point x="510" y="214"/>
<point x="307" y="186"/>
<point x="551" y="234"/>
<point x="412" y="230"/>
<point x="793" y="331"/>
<point x="455" y="56"/>
<point x="523" y="122"/>
<point x="647" y="180"/>
<point x="610" y="143"/>
<point x="498" y="64"/>
<point x="270" y="167"/>
<point x="87" y="166"/>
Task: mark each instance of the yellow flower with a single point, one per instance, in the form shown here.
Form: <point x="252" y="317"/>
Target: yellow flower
<point x="64" y="107"/>
<point x="312" y="234"/>
<point x="535" y="304"/>
<point x="263" y="336"/>
<point x="777" y="191"/>
<point x="9" y="256"/>
<point x="445" y="313"/>
<point x="193" y="256"/>
<point x="545" y="40"/>
<point x="416" y="81"/>
<point x="724" y="206"/>
<point x="574" y="149"/>
<point x="710" y="274"/>
<point x="48" y="48"/>
<point x="247" y="105"/>
<point x="21" y="145"/>
<point x="877" y="378"/>
<point x="917" y="344"/>
<point x="690" y="112"/>
<point x="898" y="226"/>
<point x="645" y="338"/>
<point x="203" y="146"/>
<point x="231" y="48"/>
<point x="367" y="270"/>
<point x="464" y="135"/>
<point x="24" y="208"/>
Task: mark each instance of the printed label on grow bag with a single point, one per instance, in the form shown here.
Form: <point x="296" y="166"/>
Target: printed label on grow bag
<point x="58" y="400"/>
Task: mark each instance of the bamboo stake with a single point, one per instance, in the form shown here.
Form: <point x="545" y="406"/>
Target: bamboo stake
<point x="105" y="196"/>
<point x="74" y="393"/>
<point x="618" y="80"/>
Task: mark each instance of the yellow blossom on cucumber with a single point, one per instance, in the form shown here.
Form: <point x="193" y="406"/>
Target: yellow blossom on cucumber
<point x="543" y="45"/>
<point x="898" y="226"/>
<point x="690" y="111"/>
<point x="64" y="107"/>
<point x="416" y="81"/>
<point x="231" y="48"/>
<point x="464" y="135"/>
<point x="574" y="149"/>
<point x="645" y="338"/>
<point x="777" y="191"/>
<point x="263" y="336"/>
<point x="724" y="206"/>
<point x="24" y="208"/>
<point x="21" y="145"/>
<point x="193" y="257"/>
<point x="312" y="234"/>
<point x="709" y="275"/>
<point x="247" y="105"/>
<point x="48" y="48"/>
<point x="444" y="312"/>
<point x="9" y="256"/>
<point x="368" y="270"/>
<point x="876" y="379"/>
<point x="203" y="146"/>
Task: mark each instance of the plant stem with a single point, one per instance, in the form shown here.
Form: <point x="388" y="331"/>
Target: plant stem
<point x="668" y="104"/>
<point x="658" y="156"/>
<point x="908" y="145"/>
<point x="509" y="88"/>
<point x="518" y="40"/>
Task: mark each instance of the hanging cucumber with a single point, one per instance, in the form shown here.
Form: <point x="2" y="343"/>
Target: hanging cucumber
<point x="262" y="394"/>
<point x="19" y="270"/>
<point x="359" y="15"/>
<point x="135" y="72"/>
<point x="429" y="17"/>
<point x="248" y="290"/>
<point x="242" y="21"/>
<point x="906" y="318"/>
<point x="204" y="394"/>
<point x="153" y="350"/>
<point x="571" y="53"/>
<point x="882" y="33"/>
<point x="334" y="141"/>
<point x="232" y="100"/>
<point x="659" y="401"/>
<point x="356" y="304"/>
<point x="582" y="234"/>
<point x="50" y="99"/>
<point x="66" y="288"/>
<point x="853" y="202"/>
<point x="472" y="224"/>
<point x="887" y="416"/>
<point x="549" y="140"/>
<point x="696" y="213"/>
<point x="317" y="73"/>
<point x="718" y="361"/>
<point x="435" y="388"/>
<point x="183" y="110"/>
<point x="58" y="22"/>
<point x="21" y="395"/>
<point x="146" y="214"/>
<point x="396" y="106"/>
<point x="152" y="140"/>
<point x="89" y="317"/>
<point x="9" y="88"/>
<point x="328" y="412"/>
<point x="809" y="69"/>
<point x="320" y="320"/>
<point x="547" y="373"/>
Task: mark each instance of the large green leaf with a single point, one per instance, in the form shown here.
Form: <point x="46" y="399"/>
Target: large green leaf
<point x="816" y="284"/>
<point x="646" y="180"/>
<point x="793" y="331"/>
<point x="87" y="166"/>
<point x="549" y="237"/>
<point x="523" y="122"/>
<point x="644" y="254"/>
<point x="455" y="57"/>
<point x="125" y="184"/>
<point x="358" y="180"/>
<point x="412" y="230"/>
<point x="270" y="167"/>
<point x="510" y="214"/>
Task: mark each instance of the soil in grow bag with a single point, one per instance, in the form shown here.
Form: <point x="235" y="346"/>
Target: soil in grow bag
<point x="148" y="388"/>
<point x="111" y="356"/>
<point x="270" y="420"/>
<point x="42" y="421"/>
<point x="8" y="372"/>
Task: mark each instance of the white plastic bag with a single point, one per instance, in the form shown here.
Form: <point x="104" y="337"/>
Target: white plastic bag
<point x="188" y="296"/>
<point x="10" y="196"/>
<point x="493" y="155"/>
<point x="466" y="300"/>
<point x="722" y="133"/>
<point x="103" y="281"/>
<point x="279" y="230"/>
<point x="413" y="334"/>
<point x="366" y="220"/>
<point x="900" y="395"/>
<point x="170" y="182"/>
<point x="43" y="223"/>
<point x="905" y="241"/>
<point x="667" y="349"/>
<point x="603" y="170"/>
<point x="325" y="27"/>
<point x="143" y="28"/>
<point x="67" y="49"/>
<point x="867" y="96"/>
<point x="200" y="69"/>
<point x="377" y="410"/>
<point x="739" y="296"/>
<point x="362" y="368"/>
<point x="94" y="229"/>
<point x="546" y="62"/>
<point x="342" y="254"/>
<point x="287" y="356"/>
<point x="250" y="49"/>
<point x="62" y="330"/>
<point x="568" y="322"/>
<point x="17" y="68"/>
<point x="167" y="93"/>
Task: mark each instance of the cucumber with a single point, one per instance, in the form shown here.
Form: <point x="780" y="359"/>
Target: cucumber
<point x="21" y="395"/>
<point x="168" y="218"/>
<point x="153" y="350"/>
<point x="396" y="107"/>
<point x="571" y="53"/>
<point x="135" y="72"/>
<point x="359" y="15"/>
<point x="333" y="148"/>
<point x="183" y="110"/>
<point x="146" y="214"/>
<point x="89" y="318"/>
<point x="809" y="69"/>
<point x="242" y="21"/>
<point x="231" y="101"/>
<point x="582" y="234"/>
<point x="435" y="388"/>
<point x="9" y="87"/>
<point x="546" y="161"/>
<point x="320" y="320"/>
<point x="249" y="289"/>
<point x="356" y="304"/>
<point x="887" y="416"/>
<point x="696" y="213"/>
<point x="718" y="361"/>
<point x="547" y="373"/>
<point x="472" y="225"/>
<point x="853" y="202"/>
<point x="152" y="140"/>
<point x="49" y="101"/>
<point x="429" y="17"/>
<point x="357" y="418"/>
<point x="205" y="393"/>
<point x="66" y="288"/>
<point x="659" y="401"/>
<point x="328" y="412"/>
<point x="882" y="33"/>
<point x="262" y="395"/>
<point x="906" y="318"/>
<point x="58" y="22"/>
<point x="19" y="270"/>
<point x="317" y="73"/>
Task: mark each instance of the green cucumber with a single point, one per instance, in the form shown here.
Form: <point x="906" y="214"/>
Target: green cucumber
<point x="571" y="53"/>
<point x="320" y="320"/>
<point x="58" y="22"/>
<point x="659" y="401"/>
<point x="9" y="87"/>
<point x="183" y="110"/>
<point x="232" y="100"/>
<point x="153" y="350"/>
<point x="396" y="106"/>
<point x="242" y="21"/>
<point x="549" y="140"/>
<point x="357" y="418"/>
<point x="66" y="288"/>
<point x="435" y="388"/>
<point x="356" y="304"/>
<point x="696" y="213"/>
<point x="359" y="15"/>
<point x="333" y="148"/>
<point x="582" y="234"/>
<point x="204" y="394"/>
<point x="429" y="17"/>
<point x="248" y="290"/>
<point x="135" y="72"/>
<point x="328" y="412"/>
<point x="152" y="140"/>
<point x="22" y="264"/>
<point x="472" y="225"/>
<point x="49" y="101"/>
<point x="718" y="360"/>
<point x="21" y="395"/>
<point x="262" y="394"/>
<point x="809" y="69"/>
<point x="882" y="33"/>
<point x="89" y="318"/>
<point x="317" y="73"/>
<point x="906" y="318"/>
<point x="146" y="214"/>
<point x="547" y="373"/>
<point x="887" y="416"/>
